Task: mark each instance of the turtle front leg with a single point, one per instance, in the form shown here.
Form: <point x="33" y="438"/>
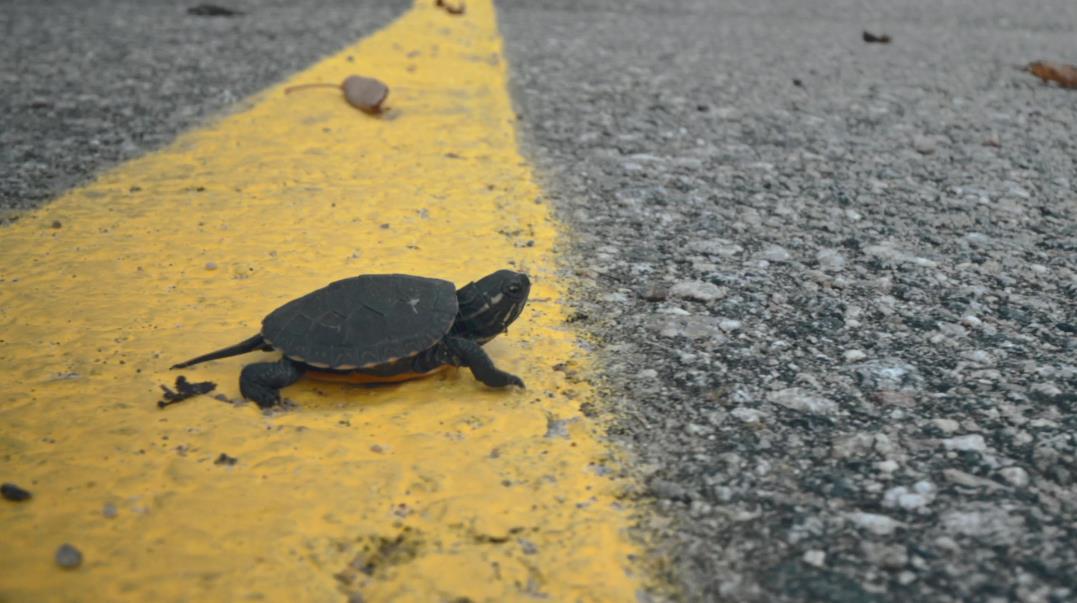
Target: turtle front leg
<point x="466" y="352"/>
<point x="262" y="381"/>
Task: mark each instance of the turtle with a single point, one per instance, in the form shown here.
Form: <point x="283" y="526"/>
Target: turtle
<point x="379" y="328"/>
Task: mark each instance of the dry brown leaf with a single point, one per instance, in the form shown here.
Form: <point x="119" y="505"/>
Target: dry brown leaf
<point x="1059" y="73"/>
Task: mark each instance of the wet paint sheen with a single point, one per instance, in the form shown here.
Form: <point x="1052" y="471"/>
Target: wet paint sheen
<point x="432" y="490"/>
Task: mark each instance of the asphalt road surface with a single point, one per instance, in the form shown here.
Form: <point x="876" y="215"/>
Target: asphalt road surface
<point x="833" y="282"/>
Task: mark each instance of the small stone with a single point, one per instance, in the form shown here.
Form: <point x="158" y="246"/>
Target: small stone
<point x="57" y="224"/>
<point x="799" y="399"/>
<point x="921" y="494"/>
<point x="968" y="480"/>
<point x="748" y="415"/>
<point x="993" y="524"/>
<point x="1016" y="476"/>
<point x="776" y="254"/>
<point x="669" y="490"/>
<point x="698" y="291"/>
<point x="880" y="525"/>
<point x="971" y="321"/>
<point x="854" y="355"/>
<point x="925" y="145"/>
<point x="980" y="357"/>
<point x="815" y="557"/>
<point x="655" y="293"/>
<point x="558" y="428"/>
<point x="973" y="442"/>
<point x="888" y="374"/>
<point x="947" y="426"/>
<point x="888" y="556"/>
<point x="648" y="374"/>
<point x="528" y="547"/>
<point x="883" y="444"/>
<point x="887" y="466"/>
<point x="109" y="510"/>
<point x="1046" y="390"/>
<point x="729" y="324"/>
<point x="690" y="326"/>
<point x="14" y="493"/>
<point x="830" y="260"/>
<point x="211" y="265"/>
<point x="68" y="557"/>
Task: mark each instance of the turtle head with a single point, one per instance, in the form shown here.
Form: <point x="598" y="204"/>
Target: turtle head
<point x="488" y="306"/>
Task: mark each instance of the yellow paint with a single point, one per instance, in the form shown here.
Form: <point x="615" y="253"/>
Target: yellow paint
<point x="431" y="490"/>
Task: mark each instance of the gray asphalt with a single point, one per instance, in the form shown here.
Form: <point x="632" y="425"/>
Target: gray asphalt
<point x="833" y="282"/>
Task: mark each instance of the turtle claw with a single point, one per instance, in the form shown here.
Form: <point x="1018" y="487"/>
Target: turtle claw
<point x="503" y="379"/>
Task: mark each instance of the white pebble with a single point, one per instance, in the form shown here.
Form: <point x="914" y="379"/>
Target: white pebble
<point x="946" y="425"/>
<point x="801" y="400"/>
<point x="875" y="523"/>
<point x="830" y="260"/>
<point x="973" y="442"/>
<point x="925" y="145"/>
<point x="1016" y="476"/>
<point x="697" y="291"/>
<point x="970" y="321"/>
<point x="920" y="496"/>
<point x="728" y="324"/>
<point x="815" y="557"/>
<point x="748" y="415"/>
<point x="887" y="466"/>
<point x="854" y="355"/>
<point x="775" y="253"/>
<point x="1047" y="389"/>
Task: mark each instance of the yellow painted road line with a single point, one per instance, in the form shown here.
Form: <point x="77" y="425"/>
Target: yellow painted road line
<point x="437" y="490"/>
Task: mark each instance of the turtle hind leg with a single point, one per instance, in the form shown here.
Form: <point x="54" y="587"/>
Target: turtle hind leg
<point x="470" y="354"/>
<point x="261" y="382"/>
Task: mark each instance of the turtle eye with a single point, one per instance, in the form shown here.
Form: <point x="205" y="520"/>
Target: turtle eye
<point x="513" y="288"/>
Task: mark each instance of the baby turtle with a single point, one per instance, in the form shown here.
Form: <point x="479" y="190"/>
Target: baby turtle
<point x="381" y="328"/>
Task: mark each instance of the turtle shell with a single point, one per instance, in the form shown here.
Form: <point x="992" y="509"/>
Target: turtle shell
<point x="363" y="321"/>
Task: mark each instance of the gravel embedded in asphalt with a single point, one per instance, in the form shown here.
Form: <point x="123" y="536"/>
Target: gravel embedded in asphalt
<point x="880" y="404"/>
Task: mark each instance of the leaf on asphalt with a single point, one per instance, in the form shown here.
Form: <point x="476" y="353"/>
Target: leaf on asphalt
<point x="871" y="38"/>
<point x="1059" y="73"/>
<point x="364" y="93"/>
<point x="212" y="10"/>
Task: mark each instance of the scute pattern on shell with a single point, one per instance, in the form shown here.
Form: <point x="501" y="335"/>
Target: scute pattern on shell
<point x="364" y="321"/>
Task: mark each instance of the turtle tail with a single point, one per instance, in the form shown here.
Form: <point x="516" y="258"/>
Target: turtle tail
<point x="247" y="345"/>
